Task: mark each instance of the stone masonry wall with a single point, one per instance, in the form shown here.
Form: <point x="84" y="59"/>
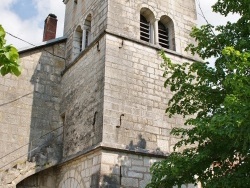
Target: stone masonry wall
<point x="82" y="101"/>
<point x="135" y="99"/>
<point x="29" y="114"/>
<point x="82" y="172"/>
<point x="123" y="170"/>
<point x="26" y="101"/>
<point x="76" y="14"/>
<point x="124" y="18"/>
<point x="98" y="169"/>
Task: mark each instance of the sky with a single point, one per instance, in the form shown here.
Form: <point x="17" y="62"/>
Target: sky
<point x="25" y="18"/>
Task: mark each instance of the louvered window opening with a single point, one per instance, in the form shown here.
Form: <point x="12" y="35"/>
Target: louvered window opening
<point x="80" y="42"/>
<point x="144" y="29"/>
<point x="163" y="35"/>
<point x="87" y="38"/>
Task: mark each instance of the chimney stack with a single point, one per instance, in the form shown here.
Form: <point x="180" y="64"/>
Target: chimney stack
<point x="50" y="25"/>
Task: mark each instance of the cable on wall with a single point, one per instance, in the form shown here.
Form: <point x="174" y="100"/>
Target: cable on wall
<point x="34" y="45"/>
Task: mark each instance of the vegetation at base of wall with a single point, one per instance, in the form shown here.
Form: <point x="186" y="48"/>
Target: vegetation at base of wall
<point x="9" y="57"/>
<point x="216" y="102"/>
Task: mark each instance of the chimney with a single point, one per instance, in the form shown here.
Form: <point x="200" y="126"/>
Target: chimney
<point x="50" y="27"/>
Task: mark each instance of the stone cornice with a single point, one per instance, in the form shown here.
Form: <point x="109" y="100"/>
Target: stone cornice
<point x="102" y="147"/>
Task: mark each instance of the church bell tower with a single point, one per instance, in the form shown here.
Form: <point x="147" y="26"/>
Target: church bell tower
<point x="112" y="88"/>
<point x="113" y="97"/>
<point x="101" y="87"/>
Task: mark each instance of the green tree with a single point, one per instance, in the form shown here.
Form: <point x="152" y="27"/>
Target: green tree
<point x="216" y="104"/>
<point x="9" y="57"/>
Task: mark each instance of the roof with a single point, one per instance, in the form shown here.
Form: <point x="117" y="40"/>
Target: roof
<point x="43" y="44"/>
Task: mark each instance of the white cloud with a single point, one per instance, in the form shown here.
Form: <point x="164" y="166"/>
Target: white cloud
<point x="45" y="7"/>
<point x="204" y="6"/>
<point x="7" y="3"/>
<point x="212" y="17"/>
<point x="30" y="29"/>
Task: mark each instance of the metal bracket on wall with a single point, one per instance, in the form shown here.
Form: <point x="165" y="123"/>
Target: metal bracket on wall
<point x="118" y="126"/>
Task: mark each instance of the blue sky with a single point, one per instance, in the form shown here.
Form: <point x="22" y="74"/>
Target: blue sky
<point x="24" y="9"/>
<point x="25" y="18"/>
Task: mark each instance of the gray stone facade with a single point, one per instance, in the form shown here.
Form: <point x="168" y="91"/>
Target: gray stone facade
<point x="135" y="99"/>
<point x="29" y="111"/>
<point x="92" y="107"/>
<point x="82" y="89"/>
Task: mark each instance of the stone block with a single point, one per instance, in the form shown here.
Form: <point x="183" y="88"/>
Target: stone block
<point x="146" y="162"/>
<point x="139" y="168"/>
<point x="145" y="181"/>
<point x="132" y="174"/>
<point x="130" y="182"/>
<point x="109" y="158"/>
<point x="137" y="162"/>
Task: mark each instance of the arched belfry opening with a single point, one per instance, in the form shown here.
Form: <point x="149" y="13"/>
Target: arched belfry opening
<point x="78" y="39"/>
<point x="163" y="35"/>
<point x="82" y="36"/>
<point x="166" y="33"/>
<point x="144" y="29"/>
<point x="146" y="25"/>
<point x="87" y="31"/>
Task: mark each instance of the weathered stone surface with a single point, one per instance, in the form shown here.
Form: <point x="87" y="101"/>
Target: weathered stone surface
<point x="82" y="102"/>
<point x="10" y="176"/>
<point x="130" y="182"/>
<point x="108" y="92"/>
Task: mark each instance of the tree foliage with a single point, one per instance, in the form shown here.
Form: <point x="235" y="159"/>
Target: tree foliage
<point x="9" y="57"/>
<point x="218" y="100"/>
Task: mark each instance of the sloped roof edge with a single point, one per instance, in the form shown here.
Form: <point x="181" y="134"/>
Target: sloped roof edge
<point x="43" y="44"/>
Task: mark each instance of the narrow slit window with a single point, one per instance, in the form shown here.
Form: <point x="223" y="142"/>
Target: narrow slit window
<point x="80" y="42"/>
<point x="87" y="38"/>
<point x="144" y="29"/>
<point x="163" y="35"/>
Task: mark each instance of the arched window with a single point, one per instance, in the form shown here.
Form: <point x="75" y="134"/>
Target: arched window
<point x="146" y="25"/>
<point x="78" y="38"/>
<point x="163" y="35"/>
<point x="144" y="29"/>
<point x="166" y="32"/>
<point x="87" y="31"/>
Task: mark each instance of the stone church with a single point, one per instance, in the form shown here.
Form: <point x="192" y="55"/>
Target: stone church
<point x="88" y="110"/>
